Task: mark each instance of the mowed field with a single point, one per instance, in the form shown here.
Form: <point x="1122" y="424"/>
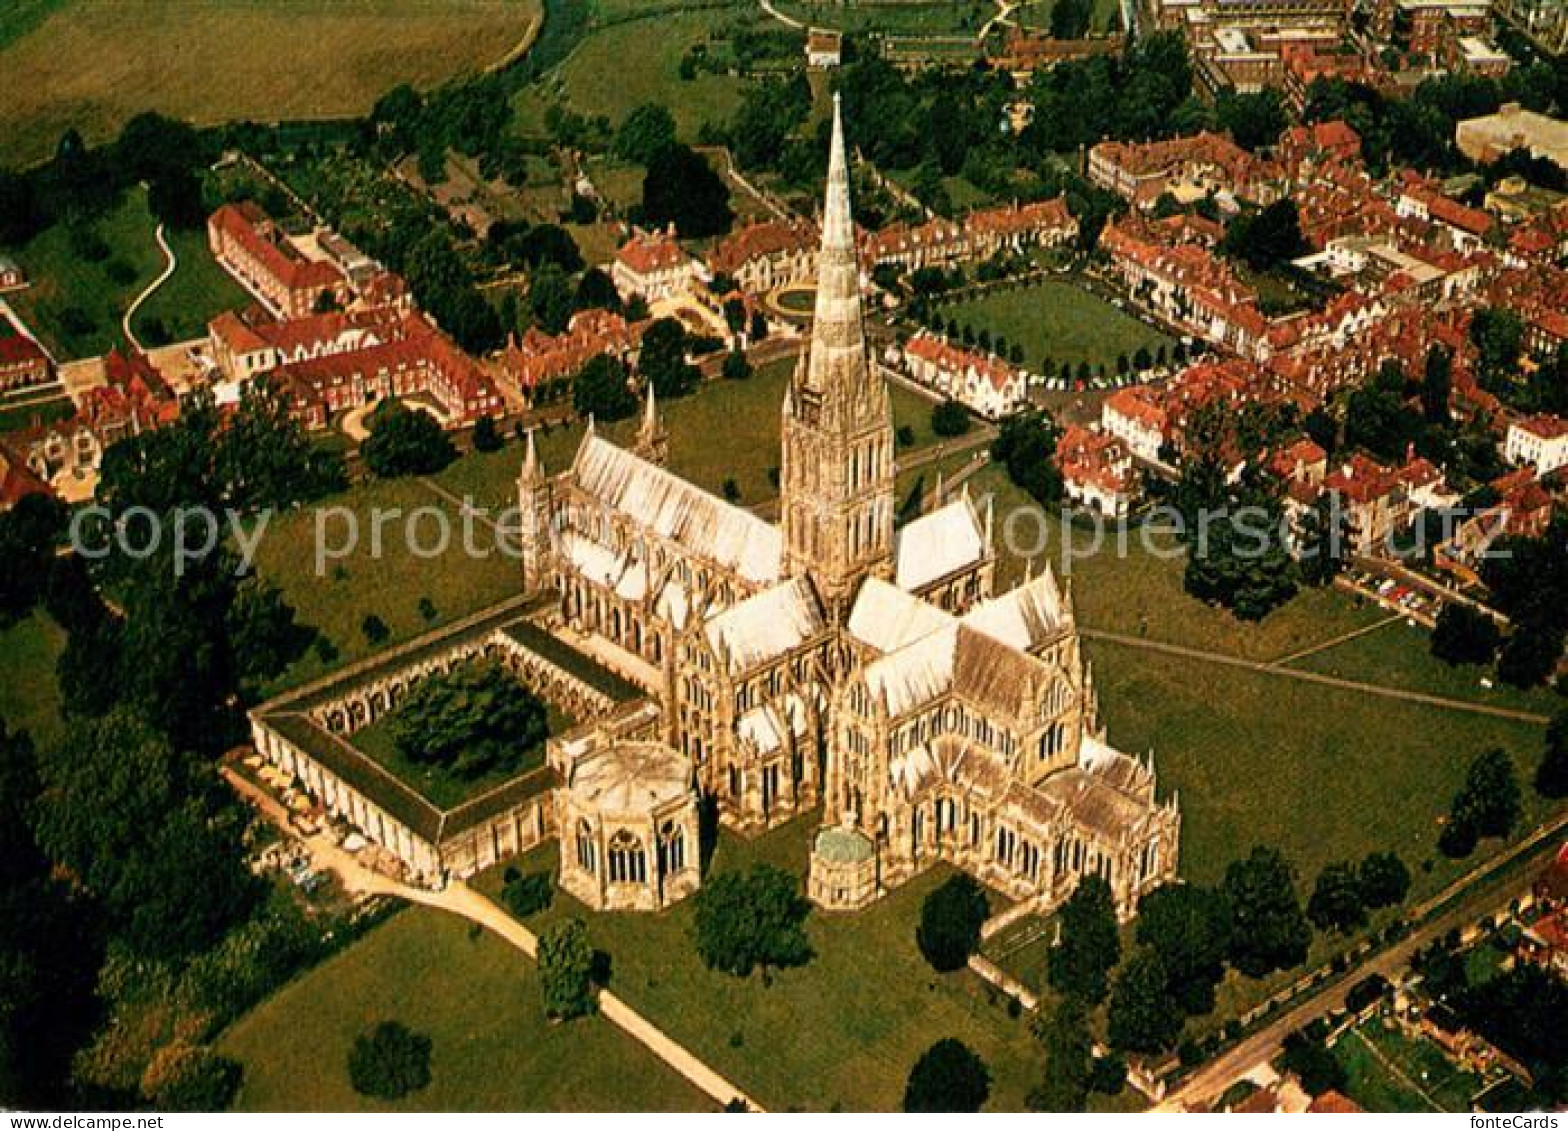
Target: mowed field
<point x="477" y="999"/>
<point x="92" y="64"/>
<point x="1056" y="321"/>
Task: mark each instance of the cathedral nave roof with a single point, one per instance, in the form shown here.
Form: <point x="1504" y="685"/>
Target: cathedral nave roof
<point x="665" y="504"/>
<point x="767" y="625"/>
<point x="1023" y="618"/>
<point x="887" y="618"/>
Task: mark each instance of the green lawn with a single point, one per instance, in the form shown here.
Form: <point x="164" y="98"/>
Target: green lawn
<point x="899" y="17"/>
<point x="1390" y="1072"/>
<point x="29" y="694"/>
<point x="644" y="57"/>
<point x="1037" y="14"/>
<point x="477" y="998"/>
<point x="388" y="583"/>
<point x="742" y="416"/>
<point x="438" y="786"/>
<point x="74" y="305"/>
<point x="1057" y="321"/>
<point x="838" y="1033"/>
<point x="1399" y="655"/>
<point x="197" y="291"/>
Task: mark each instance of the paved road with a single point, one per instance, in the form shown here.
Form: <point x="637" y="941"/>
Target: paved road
<point x="460" y="899"/>
<point x="1484" y="889"/>
<point x="170" y="264"/>
<point x="1271" y="668"/>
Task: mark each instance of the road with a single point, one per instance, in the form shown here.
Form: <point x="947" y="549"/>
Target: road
<point x="1484" y="889"/>
<point x="1272" y="668"/>
<point x="170" y="264"/>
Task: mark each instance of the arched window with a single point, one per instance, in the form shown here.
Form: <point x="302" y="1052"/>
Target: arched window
<point x="672" y="849"/>
<point x="628" y="863"/>
<point x="585" y="848"/>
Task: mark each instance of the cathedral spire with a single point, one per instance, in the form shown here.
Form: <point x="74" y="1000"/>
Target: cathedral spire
<point x="837" y="338"/>
<point x="533" y="467"/>
<point x="653" y="441"/>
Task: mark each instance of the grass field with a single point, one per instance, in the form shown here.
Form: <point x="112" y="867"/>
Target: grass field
<point x="1387" y="1071"/>
<point x="29" y="694"/>
<point x="477" y="998"/>
<point x="744" y="413"/>
<point x="75" y="305"/>
<point x="1057" y="321"/>
<point x="388" y="583"/>
<point x="188" y="299"/>
<point x="911" y="17"/>
<point x="644" y="56"/>
<point x="839" y="1033"/>
<point x="1037" y="14"/>
<point x="92" y="64"/>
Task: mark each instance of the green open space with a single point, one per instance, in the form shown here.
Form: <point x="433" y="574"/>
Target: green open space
<point x="363" y="574"/>
<point x="1037" y="14"/>
<point x="436" y="784"/>
<point x="839" y="1033"/>
<point x="29" y="692"/>
<point x="75" y="304"/>
<point x="644" y="58"/>
<point x="92" y="65"/>
<point x="1056" y="321"/>
<point x="1399" y="655"/>
<point x="479" y="1001"/>
<point x="188" y="299"/>
<point x="724" y="430"/>
<point x="1389" y="1071"/>
<point x="898" y="17"/>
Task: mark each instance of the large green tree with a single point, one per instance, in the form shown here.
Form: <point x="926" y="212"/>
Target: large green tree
<point x="1063" y="1032"/>
<point x="1143" y="1016"/>
<point x="947" y="1077"/>
<point x="748" y="919"/>
<point x="682" y="189"/>
<point x="1189" y="927"/>
<point x="1551" y="776"/>
<point x="600" y="390"/>
<point x="1268" y="929"/>
<point x="405" y="441"/>
<point x="950" y="922"/>
<point x="470" y="721"/>
<point x="1487" y="805"/>
<point x="566" y="965"/>
<point x="389" y="1061"/>
<point x="1338" y="900"/>
<point x="1081" y="961"/>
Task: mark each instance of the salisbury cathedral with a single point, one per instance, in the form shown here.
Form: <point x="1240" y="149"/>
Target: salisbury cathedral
<point x="835" y="660"/>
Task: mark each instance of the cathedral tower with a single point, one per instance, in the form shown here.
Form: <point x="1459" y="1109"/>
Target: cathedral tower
<point x="836" y="467"/>
<point x="533" y="519"/>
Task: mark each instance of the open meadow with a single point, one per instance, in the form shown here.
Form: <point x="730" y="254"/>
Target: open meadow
<point x="92" y="64"/>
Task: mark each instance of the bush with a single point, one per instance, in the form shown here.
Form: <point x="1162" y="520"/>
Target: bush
<point x="950" y="419"/>
<point x="389" y="1062"/>
<point x="185" y="1078"/>
<point x="528" y="895"/>
<point x="947" y="1077"/>
<point x="950" y="921"/>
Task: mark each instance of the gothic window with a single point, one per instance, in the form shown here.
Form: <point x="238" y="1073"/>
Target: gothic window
<point x="628" y="863"/>
<point x="672" y="849"/>
<point x="585" y="848"/>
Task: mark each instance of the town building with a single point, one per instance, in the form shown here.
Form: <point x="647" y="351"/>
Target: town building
<point x="1540" y="441"/>
<point x="652" y="266"/>
<point x="248" y="245"/>
<point x="765" y="256"/>
<point x="824" y="48"/>
<point x="983" y="382"/>
<point x="23" y="362"/>
<point x="542" y="360"/>
<point x="1491" y="136"/>
<point x="1188" y="168"/>
<point x="1097" y="470"/>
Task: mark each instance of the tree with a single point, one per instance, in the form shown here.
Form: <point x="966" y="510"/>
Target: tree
<point x="1488" y="804"/>
<point x="645" y="133"/>
<point x="1269" y="931"/>
<point x="1310" y="1061"/>
<point x="1437" y="384"/>
<point x="748" y="919"/>
<point x="1081" y="961"/>
<point x="1551" y="776"/>
<point x="487" y="437"/>
<point x="374" y="628"/>
<point x="1143" y="1016"/>
<point x="1337" y="902"/>
<point x="1070" y="18"/>
<point x="566" y="965"/>
<point x="1267" y="238"/>
<point x="950" y="922"/>
<point x="662" y="358"/>
<point x="1189" y="927"/>
<point x="950" y="418"/>
<point x="264" y="635"/>
<point x="600" y="389"/>
<point x="551" y="300"/>
<point x="389" y="1062"/>
<point x="529" y="894"/>
<point x="1063" y="1032"/>
<point x="405" y="441"/>
<point x="142" y="829"/>
<point x="1253" y="120"/>
<point x="1529" y="654"/>
<point x="1464" y="635"/>
<point x="29" y="533"/>
<point x="947" y="1077"/>
<point x="263" y="456"/>
<point x="596" y="291"/>
<point x="470" y="721"/>
<point x="1023" y="445"/>
<point x="185" y="1077"/>
<point x="1385" y="880"/>
<point x="682" y="189"/>
<point x="1244" y="566"/>
<point x="736" y="367"/>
